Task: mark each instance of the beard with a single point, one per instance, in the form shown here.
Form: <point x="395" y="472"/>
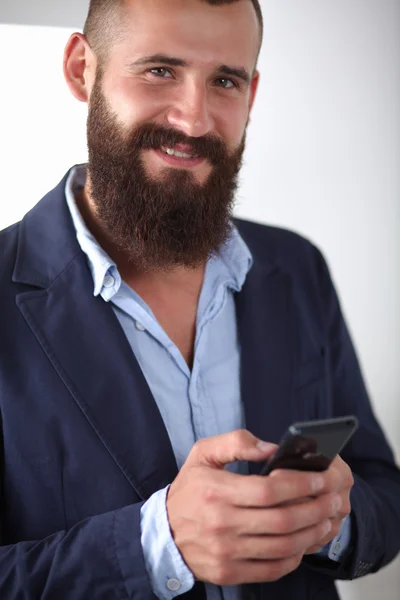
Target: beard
<point x="158" y="222"/>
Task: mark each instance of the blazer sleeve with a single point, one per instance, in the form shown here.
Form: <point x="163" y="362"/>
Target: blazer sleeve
<point x="100" y="558"/>
<point x="375" y="497"/>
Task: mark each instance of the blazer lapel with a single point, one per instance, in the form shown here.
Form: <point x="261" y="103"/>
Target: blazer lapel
<point x="88" y="348"/>
<point x="267" y="352"/>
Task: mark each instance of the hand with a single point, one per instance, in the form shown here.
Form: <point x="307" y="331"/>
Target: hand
<point x="338" y="479"/>
<point x="231" y="529"/>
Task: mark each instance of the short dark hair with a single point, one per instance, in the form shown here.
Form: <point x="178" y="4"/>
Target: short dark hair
<point x="103" y="23"/>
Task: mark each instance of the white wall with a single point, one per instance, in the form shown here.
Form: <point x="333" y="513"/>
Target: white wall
<point x="323" y="159"/>
<point x="44" y="12"/>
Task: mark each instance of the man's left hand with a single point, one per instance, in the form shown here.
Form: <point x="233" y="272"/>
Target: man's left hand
<point x="339" y="479"/>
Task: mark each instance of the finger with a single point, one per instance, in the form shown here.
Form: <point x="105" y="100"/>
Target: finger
<point x="259" y="491"/>
<point x="336" y="526"/>
<point x="285" y="486"/>
<point x="219" y="450"/>
<point x="338" y="477"/>
<point x="281" y="546"/>
<point x="258" y="571"/>
<point x="287" y="519"/>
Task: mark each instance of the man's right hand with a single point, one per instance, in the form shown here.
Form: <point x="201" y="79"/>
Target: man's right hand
<point x="233" y="529"/>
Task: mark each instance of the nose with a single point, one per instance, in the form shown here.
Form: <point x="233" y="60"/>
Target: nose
<point x="190" y="112"/>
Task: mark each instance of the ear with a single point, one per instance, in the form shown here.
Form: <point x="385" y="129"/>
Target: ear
<point x="253" y="90"/>
<point x="79" y="66"/>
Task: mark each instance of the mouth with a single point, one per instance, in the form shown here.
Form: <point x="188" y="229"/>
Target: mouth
<point x="180" y="156"/>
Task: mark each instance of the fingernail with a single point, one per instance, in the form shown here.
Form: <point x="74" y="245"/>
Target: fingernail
<point x="317" y="483"/>
<point x="263" y="446"/>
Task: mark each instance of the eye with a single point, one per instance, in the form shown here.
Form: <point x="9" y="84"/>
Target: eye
<point x="161" y="72"/>
<point x="226" y="83"/>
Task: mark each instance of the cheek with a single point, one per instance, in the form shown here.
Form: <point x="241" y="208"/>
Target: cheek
<point x="231" y="120"/>
<point x="133" y="103"/>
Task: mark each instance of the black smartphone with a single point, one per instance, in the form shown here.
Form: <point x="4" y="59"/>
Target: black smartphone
<point x="311" y="446"/>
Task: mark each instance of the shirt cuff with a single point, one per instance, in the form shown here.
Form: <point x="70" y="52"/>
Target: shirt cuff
<point x="168" y="573"/>
<point x="340" y="544"/>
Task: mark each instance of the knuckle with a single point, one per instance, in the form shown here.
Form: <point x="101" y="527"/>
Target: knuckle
<point x="313" y="538"/>
<point x="345" y="508"/>
<point x="328" y="507"/>
<point x="216" y="521"/>
<point x="349" y="479"/>
<point x="198" y="448"/>
<point x="240" y="437"/>
<point x="296" y="561"/>
<point x="320" y="533"/>
<point x="266" y="495"/>
<point x="198" y="445"/>
<point x="210" y="493"/>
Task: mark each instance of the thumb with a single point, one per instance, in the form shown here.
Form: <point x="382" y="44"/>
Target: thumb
<point x="219" y="450"/>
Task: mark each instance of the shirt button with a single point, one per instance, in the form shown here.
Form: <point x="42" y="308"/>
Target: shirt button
<point x="173" y="584"/>
<point x="141" y="327"/>
<point x="337" y="548"/>
<point x="108" y="281"/>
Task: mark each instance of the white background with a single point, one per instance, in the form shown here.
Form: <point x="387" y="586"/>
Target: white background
<point x="323" y="158"/>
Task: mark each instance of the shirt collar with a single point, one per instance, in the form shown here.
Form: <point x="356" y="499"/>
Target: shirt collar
<point x="234" y="257"/>
<point x="106" y="278"/>
<point x="237" y="258"/>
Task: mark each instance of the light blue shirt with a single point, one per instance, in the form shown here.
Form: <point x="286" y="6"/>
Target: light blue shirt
<point x="193" y="404"/>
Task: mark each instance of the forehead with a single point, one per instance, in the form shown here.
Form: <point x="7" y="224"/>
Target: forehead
<point x="192" y="30"/>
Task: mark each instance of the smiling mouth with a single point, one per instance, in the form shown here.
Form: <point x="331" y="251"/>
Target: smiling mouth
<point x="177" y="153"/>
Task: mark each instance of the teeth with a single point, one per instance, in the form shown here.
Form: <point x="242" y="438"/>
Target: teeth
<point x="172" y="152"/>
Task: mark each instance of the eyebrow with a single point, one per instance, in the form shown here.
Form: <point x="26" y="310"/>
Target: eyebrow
<point x="238" y="72"/>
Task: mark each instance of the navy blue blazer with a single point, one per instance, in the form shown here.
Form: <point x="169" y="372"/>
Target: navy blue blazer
<point x="84" y="445"/>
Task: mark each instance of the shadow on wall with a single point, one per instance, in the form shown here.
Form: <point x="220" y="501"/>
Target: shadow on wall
<point x="44" y="13"/>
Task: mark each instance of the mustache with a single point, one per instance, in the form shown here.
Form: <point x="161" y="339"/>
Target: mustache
<point x="151" y="137"/>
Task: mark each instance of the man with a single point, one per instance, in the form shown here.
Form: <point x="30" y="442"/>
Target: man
<point x="149" y="344"/>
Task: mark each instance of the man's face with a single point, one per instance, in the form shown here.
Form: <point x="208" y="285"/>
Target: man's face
<point x="166" y="127"/>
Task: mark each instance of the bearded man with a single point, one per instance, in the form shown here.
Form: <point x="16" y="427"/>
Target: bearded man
<point x="154" y="349"/>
